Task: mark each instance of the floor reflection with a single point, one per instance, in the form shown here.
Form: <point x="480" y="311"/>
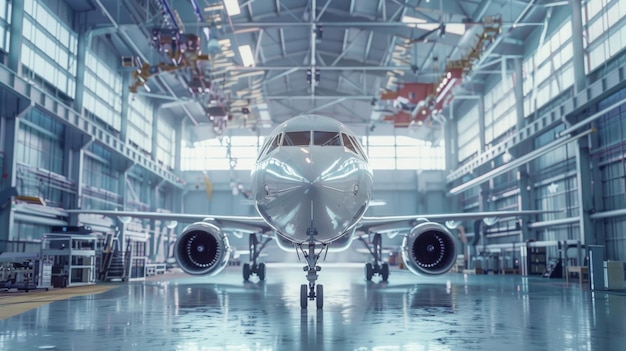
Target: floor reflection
<point x="449" y="312"/>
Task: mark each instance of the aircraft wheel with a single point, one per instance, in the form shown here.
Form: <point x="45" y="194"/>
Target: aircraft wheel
<point x="304" y="296"/>
<point x="384" y="272"/>
<point x="261" y="271"/>
<point x="369" y="271"/>
<point x="319" y="298"/>
<point x="246" y="271"/>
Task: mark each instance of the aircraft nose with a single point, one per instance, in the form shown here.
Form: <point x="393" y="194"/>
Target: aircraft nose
<point x="288" y="174"/>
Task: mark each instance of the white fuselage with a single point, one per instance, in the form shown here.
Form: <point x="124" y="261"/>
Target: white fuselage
<point x="312" y="181"/>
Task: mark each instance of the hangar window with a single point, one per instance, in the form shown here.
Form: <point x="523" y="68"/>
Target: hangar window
<point x="326" y="139"/>
<point x="297" y="139"/>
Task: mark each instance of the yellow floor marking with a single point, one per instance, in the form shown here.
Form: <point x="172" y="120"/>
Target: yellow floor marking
<point x="14" y="303"/>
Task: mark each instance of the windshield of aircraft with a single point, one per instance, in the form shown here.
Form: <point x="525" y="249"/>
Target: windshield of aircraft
<point x="326" y="138"/>
<point x="297" y="138"/>
<point x="304" y="139"/>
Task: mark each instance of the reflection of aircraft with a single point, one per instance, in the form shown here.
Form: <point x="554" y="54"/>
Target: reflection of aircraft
<point x="311" y="186"/>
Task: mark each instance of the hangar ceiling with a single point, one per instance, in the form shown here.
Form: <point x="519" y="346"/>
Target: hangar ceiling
<point x="339" y="58"/>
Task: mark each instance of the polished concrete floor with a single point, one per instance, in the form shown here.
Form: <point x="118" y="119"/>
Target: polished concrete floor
<point x="449" y="312"/>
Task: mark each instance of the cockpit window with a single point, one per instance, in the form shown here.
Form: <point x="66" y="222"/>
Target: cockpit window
<point x="348" y="143"/>
<point x="358" y="146"/>
<point x="275" y="143"/>
<point x="297" y="139"/>
<point x="326" y="139"/>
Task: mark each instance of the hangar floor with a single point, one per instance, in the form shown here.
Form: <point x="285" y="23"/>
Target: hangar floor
<point x="449" y="312"/>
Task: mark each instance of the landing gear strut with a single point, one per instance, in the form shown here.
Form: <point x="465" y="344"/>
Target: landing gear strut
<point x="253" y="267"/>
<point x="311" y="292"/>
<point x="378" y="266"/>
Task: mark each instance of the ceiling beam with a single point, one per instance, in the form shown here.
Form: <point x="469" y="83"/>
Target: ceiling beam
<point x="319" y="97"/>
<point x="322" y="68"/>
<point x="345" y="51"/>
<point x="319" y="16"/>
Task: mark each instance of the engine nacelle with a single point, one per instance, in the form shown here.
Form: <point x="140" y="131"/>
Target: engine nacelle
<point x="429" y="249"/>
<point x="202" y="248"/>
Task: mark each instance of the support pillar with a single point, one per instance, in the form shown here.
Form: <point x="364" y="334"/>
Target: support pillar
<point x="73" y="158"/>
<point x="585" y="196"/>
<point x="15" y="45"/>
<point x="178" y="145"/>
<point x="10" y="128"/>
<point x="125" y="106"/>
<point x="481" y="123"/>
<point x="81" y="57"/>
<point x="155" y="133"/>
<point x="580" y="79"/>
<point x="525" y="182"/>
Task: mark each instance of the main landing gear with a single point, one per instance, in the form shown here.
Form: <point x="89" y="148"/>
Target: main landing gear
<point x="311" y="292"/>
<point x="378" y="266"/>
<point x="253" y="267"/>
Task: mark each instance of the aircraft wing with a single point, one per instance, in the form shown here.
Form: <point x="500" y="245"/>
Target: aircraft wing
<point x="243" y="223"/>
<point x="390" y="223"/>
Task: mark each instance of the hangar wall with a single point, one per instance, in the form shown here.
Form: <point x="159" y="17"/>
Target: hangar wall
<point x="585" y="178"/>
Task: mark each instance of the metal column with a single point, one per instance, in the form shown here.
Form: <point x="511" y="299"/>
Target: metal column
<point x="585" y="196"/>
<point x="580" y="79"/>
<point x="15" y="45"/>
<point x="596" y="267"/>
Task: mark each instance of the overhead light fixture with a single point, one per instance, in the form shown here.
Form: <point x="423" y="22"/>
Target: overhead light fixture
<point x="232" y="7"/>
<point x="246" y="55"/>
<point x="455" y="28"/>
<point x="451" y="28"/>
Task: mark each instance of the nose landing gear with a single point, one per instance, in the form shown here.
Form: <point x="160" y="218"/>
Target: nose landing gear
<point x="311" y="292"/>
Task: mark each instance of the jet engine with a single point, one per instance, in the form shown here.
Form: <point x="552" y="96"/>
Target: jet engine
<point x="429" y="249"/>
<point x="202" y="248"/>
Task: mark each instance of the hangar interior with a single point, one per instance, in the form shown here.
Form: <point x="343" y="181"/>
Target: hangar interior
<point x="104" y="107"/>
<point x="462" y="106"/>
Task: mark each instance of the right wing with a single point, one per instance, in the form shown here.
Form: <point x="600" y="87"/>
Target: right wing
<point x="243" y="223"/>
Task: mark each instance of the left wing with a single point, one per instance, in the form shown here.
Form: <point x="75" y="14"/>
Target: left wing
<point x="242" y="223"/>
<point x="388" y="223"/>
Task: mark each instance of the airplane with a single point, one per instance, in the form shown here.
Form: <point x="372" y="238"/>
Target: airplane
<point x="311" y="186"/>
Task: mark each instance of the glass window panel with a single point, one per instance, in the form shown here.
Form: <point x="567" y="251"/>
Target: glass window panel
<point x="615" y="43"/>
<point x="566" y="31"/>
<point x="64" y="36"/>
<point x="243" y="152"/>
<point x="383" y="163"/>
<point x="297" y="138"/>
<point x="326" y="138"/>
<point x="596" y="29"/>
<point x="406" y="152"/>
<point x="613" y="15"/>
<point x="347" y="142"/>
<point x="382" y="151"/>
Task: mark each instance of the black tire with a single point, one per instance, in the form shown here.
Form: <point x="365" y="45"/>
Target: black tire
<point x="369" y="271"/>
<point x="384" y="272"/>
<point x="304" y="296"/>
<point x="246" y="271"/>
<point x="261" y="271"/>
<point x="319" y="296"/>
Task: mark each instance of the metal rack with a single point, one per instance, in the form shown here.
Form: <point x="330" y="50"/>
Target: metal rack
<point x="73" y="258"/>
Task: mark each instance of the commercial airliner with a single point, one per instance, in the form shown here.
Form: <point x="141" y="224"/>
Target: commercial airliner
<point x="311" y="186"/>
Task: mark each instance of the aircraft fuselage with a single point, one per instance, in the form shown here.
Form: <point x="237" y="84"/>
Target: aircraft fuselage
<point x="312" y="181"/>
